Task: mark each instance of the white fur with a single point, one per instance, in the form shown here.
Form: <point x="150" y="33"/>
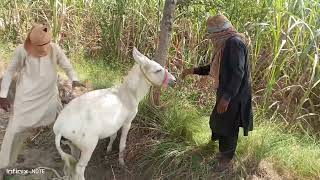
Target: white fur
<point x="101" y="113"/>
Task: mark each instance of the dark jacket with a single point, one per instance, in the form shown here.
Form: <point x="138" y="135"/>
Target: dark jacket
<point x="234" y="85"/>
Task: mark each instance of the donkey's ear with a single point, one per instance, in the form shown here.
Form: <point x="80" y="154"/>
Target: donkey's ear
<point x="138" y="57"/>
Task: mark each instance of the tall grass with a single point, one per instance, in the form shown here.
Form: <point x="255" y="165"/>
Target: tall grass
<point x="284" y="33"/>
<point x="295" y="152"/>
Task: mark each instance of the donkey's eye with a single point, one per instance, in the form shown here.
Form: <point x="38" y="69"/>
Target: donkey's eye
<point x="157" y="71"/>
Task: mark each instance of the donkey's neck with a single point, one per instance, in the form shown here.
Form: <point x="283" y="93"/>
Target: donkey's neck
<point x="135" y="85"/>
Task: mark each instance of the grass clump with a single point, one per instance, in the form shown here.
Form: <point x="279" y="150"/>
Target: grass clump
<point x="186" y="151"/>
<point x="298" y="153"/>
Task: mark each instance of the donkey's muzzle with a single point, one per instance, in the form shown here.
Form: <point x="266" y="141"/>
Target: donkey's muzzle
<point x="172" y="82"/>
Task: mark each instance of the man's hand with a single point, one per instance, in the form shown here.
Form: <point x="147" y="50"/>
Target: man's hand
<point x="4" y="104"/>
<point x="77" y="84"/>
<point x="186" y="72"/>
<point x="222" y="105"/>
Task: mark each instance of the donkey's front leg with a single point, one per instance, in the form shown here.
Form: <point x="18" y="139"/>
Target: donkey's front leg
<point x="123" y="139"/>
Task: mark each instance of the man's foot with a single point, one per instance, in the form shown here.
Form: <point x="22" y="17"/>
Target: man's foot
<point x="224" y="165"/>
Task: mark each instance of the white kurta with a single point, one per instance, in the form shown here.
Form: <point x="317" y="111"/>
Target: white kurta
<point x="37" y="99"/>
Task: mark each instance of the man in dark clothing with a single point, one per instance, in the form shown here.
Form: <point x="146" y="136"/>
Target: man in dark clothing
<point x="231" y="75"/>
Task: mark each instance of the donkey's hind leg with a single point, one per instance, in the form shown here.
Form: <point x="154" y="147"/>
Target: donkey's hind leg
<point x="84" y="159"/>
<point x="112" y="138"/>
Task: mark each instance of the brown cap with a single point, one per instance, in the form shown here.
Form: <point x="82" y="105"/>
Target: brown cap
<point x="218" y="23"/>
<point x="38" y="40"/>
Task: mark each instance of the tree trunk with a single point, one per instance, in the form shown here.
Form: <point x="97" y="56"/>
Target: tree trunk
<point x="161" y="55"/>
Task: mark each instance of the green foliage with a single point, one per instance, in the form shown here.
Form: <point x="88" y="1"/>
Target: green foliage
<point x="284" y="54"/>
<point x="284" y="35"/>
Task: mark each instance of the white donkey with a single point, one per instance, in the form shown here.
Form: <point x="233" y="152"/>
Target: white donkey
<point x="101" y="113"/>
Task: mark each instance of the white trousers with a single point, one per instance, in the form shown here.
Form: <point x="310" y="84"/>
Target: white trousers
<point x="12" y="144"/>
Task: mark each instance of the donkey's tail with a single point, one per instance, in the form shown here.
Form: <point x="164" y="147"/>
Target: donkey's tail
<point x="70" y="161"/>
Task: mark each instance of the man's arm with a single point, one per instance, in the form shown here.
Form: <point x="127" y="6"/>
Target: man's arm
<point x="202" y="70"/>
<point x="65" y="64"/>
<point x="11" y="70"/>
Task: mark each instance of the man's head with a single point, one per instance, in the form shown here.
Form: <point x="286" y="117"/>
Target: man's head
<point x="38" y="41"/>
<point x="217" y="24"/>
<point x="220" y="29"/>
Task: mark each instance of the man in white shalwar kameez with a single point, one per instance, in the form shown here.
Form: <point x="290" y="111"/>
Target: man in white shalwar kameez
<point x="37" y="100"/>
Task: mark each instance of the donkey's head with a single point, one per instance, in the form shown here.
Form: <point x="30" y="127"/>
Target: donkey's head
<point x="153" y="72"/>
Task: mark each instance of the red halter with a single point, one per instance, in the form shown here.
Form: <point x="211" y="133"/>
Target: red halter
<point x="166" y="78"/>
